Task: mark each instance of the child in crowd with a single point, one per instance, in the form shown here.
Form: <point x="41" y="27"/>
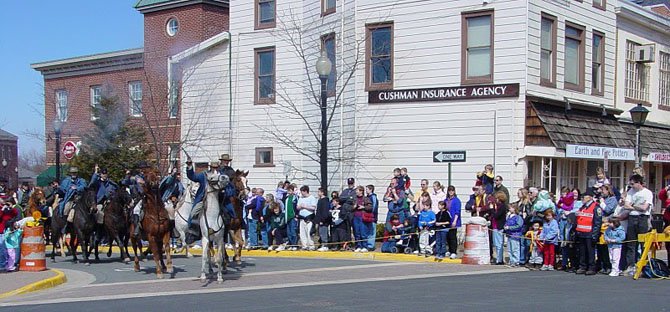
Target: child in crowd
<point x="393" y="232"/>
<point x="602" y="252"/>
<point x="486" y="178"/>
<point x="566" y="203"/>
<point x="549" y="237"/>
<point x="514" y="229"/>
<point x="398" y="181"/>
<point x="568" y="247"/>
<point x="277" y="229"/>
<point x="426" y="222"/>
<point x="407" y="181"/>
<point x="13" y="243"/>
<point x="442" y="225"/>
<point x="601" y="180"/>
<point x="536" y="246"/>
<point x="614" y="236"/>
<point x="338" y="229"/>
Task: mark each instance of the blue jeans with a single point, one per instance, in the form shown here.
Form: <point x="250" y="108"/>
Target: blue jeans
<point x="3" y="253"/>
<point x="514" y="249"/>
<point x="372" y="235"/>
<point x="440" y="243"/>
<point x="291" y="232"/>
<point x="253" y="233"/>
<point x="523" y="250"/>
<point x="264" y="234"/>
<point x="498" y="241"/>
<point x="360" y="232"/>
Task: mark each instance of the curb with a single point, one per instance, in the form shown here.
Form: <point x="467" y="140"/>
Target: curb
<point x="40" y="285"/>
<point x="370" y="256"/>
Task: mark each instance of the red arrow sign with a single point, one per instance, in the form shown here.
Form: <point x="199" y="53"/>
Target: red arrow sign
<point x="69" y="150"/>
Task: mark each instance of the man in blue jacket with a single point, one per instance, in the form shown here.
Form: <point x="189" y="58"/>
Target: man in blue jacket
<point x="135" y="183"/>
<point x="71" y="186"/>
<point x="105" y="189"/>
<point x="171" y="186"/>
<point x="201" y="179"/>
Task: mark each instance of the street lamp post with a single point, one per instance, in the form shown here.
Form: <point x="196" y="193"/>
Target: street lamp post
<point x="57" y="129"/>
<point x="323" y="67"/>
<point x="639" y="115"/>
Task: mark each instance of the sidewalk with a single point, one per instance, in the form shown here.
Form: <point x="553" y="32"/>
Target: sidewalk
<point x="16" y="283"/>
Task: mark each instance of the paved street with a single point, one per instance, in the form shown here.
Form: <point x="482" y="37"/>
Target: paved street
<point x="281" y="284"/>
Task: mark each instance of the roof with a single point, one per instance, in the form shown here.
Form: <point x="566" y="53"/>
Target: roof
<point x="652" y="2"/>
<point x="200" y="47"/>
<point x="91" y="57"/>
<point x="147" y="6"/>
<point x="4" y="135"/>
<point x="653" y="137"/>
<point x="90" y="64"/>
<point x="581" y="127"/>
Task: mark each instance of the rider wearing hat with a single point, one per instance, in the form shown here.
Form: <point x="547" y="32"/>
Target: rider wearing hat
<point x="135" y="184"/>
<point x="201" y="179"/>
<point x="171" y="187"/>
<point x="225" y="166"/>
<point x="71" y="186"/>
<point x="229" y="190"/>
<point x="104" y="187"/>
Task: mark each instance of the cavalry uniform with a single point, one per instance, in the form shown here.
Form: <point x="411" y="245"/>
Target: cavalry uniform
<point x="229" y="190"/>
<point x="587" y="230"/>
<point x="70" y="186"/>
<point x="171" y="186"/>
<point x="201" y="179"/>
<point x="135" y="184"/>
<point x="105" y="189"/>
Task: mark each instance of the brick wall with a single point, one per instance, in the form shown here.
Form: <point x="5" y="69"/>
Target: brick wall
<point x="196" y="23"/>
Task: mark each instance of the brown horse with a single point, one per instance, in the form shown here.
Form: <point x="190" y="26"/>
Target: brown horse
<point x="36" y="201"/>
<point x="239" y="181"/>
<point x="155" y="226"/>
<point x="116" y="223"/>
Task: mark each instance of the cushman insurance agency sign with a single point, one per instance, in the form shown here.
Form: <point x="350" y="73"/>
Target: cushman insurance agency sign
<point x="445" y="93"/>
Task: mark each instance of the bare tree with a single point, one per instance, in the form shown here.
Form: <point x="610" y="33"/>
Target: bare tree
<point x="32" y="160"/>
<point x="347" y="144"/>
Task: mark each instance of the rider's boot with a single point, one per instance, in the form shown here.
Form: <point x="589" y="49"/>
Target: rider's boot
<point x="136" y="222"/>
<point x="175" y="233"/>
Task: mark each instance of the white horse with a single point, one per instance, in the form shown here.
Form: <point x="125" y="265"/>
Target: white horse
<point x="212" y="226"/>
<point x="182" y="211"/>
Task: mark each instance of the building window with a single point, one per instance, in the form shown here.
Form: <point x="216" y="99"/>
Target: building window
<point x="172" y="27"/>
<point x="664" y="80"/>
<point x="96" y="96"/>
<point x="61" y="105"/>
<point x="328" y="44"/>
<point x="574" y="57"/>
<point x="265" y="76"/>
<point x="265" y="14"/>
<point x="477" y="47"/>
<point x="173" y="102"/>
<point x="637" y="76"/>
<point x="264" y="157"/>
<point x="135" y="96"/>
<point x="548" y="51"/>
<point x="379" y="56"/>
<point x="327" y="7"/>
<point x="600" y="4"/>
<point x="173" y="154"/>
<point x="597" y="63"/>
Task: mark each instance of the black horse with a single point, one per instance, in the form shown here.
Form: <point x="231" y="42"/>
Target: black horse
<point x="117" y="223"/>
<point x="84" y="223"/>
<point x="58" y="221"/>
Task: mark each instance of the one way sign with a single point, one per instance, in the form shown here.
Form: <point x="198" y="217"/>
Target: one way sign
<point x="448" y="156"/>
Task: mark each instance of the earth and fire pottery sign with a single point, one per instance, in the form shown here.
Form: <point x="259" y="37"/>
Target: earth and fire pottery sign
<point x="444" y="93"/>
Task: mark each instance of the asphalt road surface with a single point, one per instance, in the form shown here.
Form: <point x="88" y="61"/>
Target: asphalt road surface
<point x="280" y="284"/>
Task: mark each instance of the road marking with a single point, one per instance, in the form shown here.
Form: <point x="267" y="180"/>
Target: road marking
<point x="262" y="287"/>
<point x="338" y="268"/>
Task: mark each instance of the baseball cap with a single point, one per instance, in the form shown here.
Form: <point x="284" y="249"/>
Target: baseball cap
<point x="351" y="181"/>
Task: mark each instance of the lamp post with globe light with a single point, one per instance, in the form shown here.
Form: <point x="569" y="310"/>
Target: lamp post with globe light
<point x="639" y="115"/>
<point x="323" y="68"/>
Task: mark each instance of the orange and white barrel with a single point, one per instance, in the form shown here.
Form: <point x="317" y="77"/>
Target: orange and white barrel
<point x="476" y="246"/>
<point x="33" y="257"/>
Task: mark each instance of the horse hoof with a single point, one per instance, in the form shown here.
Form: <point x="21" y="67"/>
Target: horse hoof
<point x="126" y="260"/>
<point x="160" y="276"/>
<point x="87" y="263"/>
<point x="238" y="262"/>
<point x="219" y="281"/>
<point x="170" y="270"/>
<point x="189" y="255"/>
<point x="203" y="280"/>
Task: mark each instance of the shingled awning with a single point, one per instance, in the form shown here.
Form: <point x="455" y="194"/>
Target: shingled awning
<point x="552" y="125"/>
<point x="654" y="138"/>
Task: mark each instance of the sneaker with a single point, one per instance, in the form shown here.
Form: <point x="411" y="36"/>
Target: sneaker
<point x="271" y="248"/>
<point x="229" y="246"/>
<point x="590" y="272"/>
<point x="630" y="270"/>
<point x="447" y="254"/>
<point x="452" y="256"/>
<point x="311" y="248"/>
<point x="416" y="252"/>
<point x="580" y="271"/>
<point x="550" y="268"/>
<point x="614" y="273"/>
<point x="364" y="250"/>
<point x="544" y="268"/>
<point x="294" y="248"/>
<point x="357" y="250"/>
<point x="323" y="248"/>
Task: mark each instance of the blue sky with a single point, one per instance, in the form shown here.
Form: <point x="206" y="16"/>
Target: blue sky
<point x="41" y="30"/>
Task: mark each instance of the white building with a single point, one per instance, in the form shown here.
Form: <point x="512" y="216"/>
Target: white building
<point x="514" y="83"/>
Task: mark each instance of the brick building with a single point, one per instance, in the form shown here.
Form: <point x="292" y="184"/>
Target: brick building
<point x="9" y="162"/>
<point x="138" y="77"/>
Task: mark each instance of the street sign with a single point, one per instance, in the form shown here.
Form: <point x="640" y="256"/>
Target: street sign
<point x="448" y="156"/>
<point x="69" y="150"/>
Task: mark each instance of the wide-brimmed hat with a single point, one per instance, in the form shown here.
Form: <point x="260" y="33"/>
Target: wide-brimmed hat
<point x="214" y="164"/>
<point x="73" y="170"/>
<point x="225" y="157"/>
<point x="103" y="171"/>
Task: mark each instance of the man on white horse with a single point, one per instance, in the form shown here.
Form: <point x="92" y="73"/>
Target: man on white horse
<point x="201" y="178"/>
<point x="171" y="189"/>
<point x="229" y="190"/>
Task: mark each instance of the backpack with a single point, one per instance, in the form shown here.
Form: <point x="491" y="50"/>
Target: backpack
<point x="656" y="269"/>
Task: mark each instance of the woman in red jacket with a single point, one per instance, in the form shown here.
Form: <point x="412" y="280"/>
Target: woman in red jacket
<point x="7" y="213"/>
<point x="664" y="196"/>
